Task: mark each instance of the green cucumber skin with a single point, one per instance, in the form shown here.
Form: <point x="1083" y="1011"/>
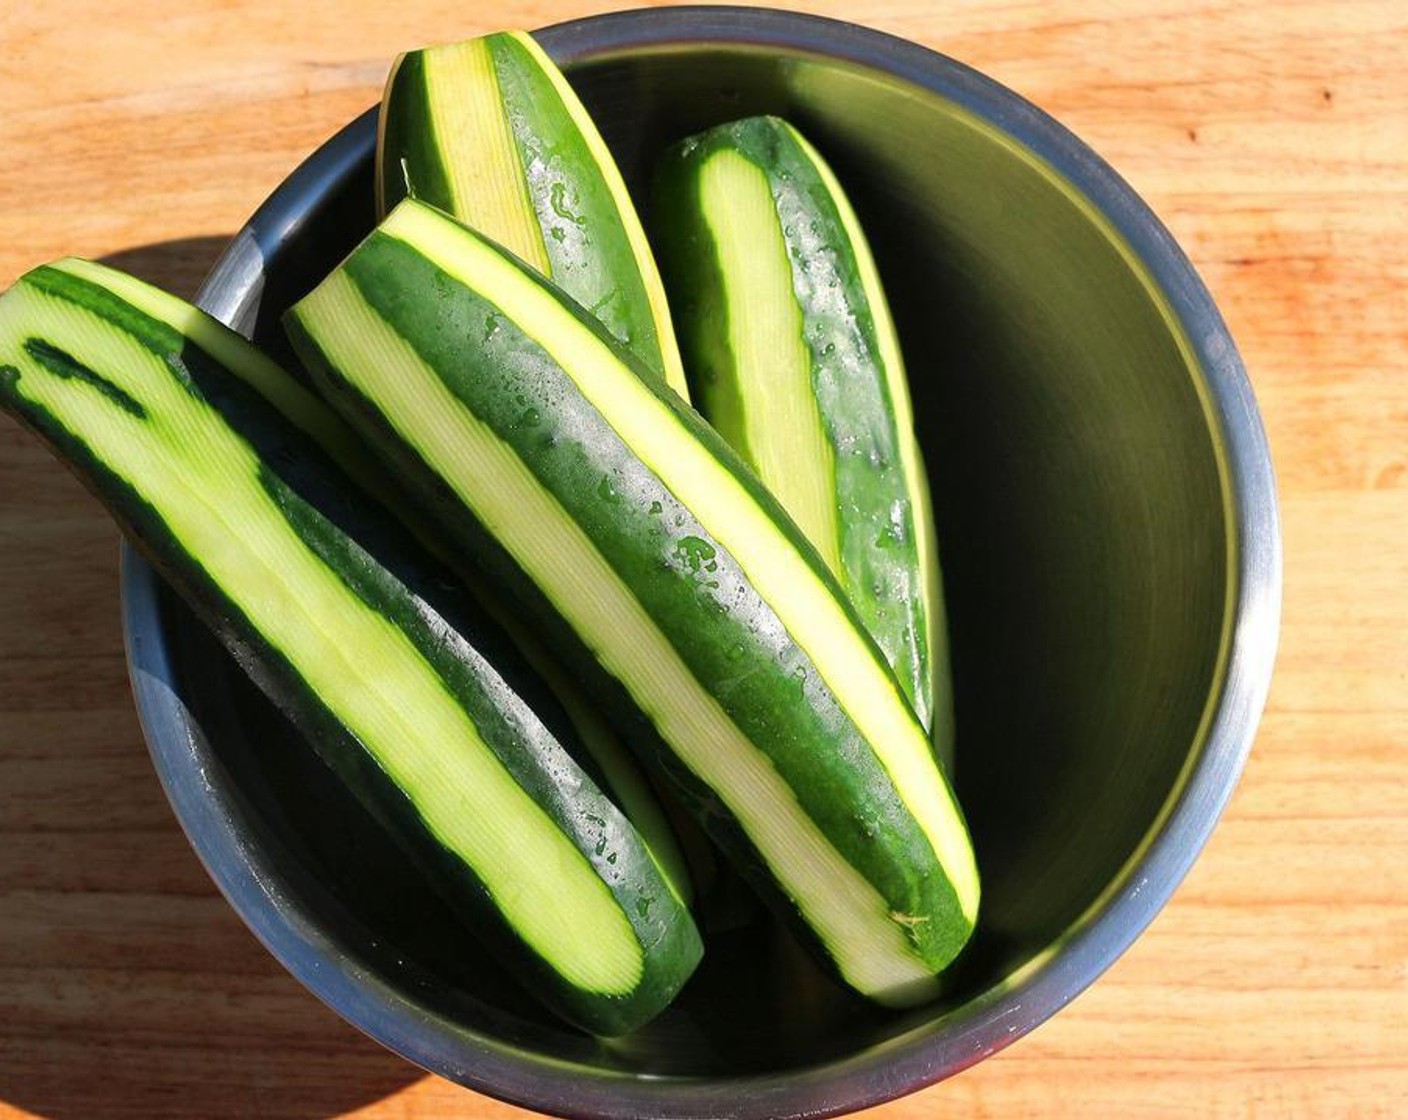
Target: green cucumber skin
<point x="590" y="259"/>
<point x="375" y="560"/>
<point x="689" y="583"/>
<point x="879" y="559"/>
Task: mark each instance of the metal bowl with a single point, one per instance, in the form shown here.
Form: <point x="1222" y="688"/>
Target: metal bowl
<point x="1108" y="529"/>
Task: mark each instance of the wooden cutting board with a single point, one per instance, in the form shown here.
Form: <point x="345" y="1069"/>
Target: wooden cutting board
<point x="1273" y="140"/>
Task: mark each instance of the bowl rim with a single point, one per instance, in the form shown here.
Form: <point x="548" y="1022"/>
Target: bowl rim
<point x="210" y="816"/>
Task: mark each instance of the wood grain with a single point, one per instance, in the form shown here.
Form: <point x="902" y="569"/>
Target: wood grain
<point x="1273" y="140"/>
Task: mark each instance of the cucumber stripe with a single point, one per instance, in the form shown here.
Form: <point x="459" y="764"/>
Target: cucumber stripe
<point x="765" y="332"/>
<point x="511" y="403"/>
<point x="484" y="777"/>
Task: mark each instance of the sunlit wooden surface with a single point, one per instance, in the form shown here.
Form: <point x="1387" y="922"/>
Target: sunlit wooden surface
<point x="1273" y="140"/>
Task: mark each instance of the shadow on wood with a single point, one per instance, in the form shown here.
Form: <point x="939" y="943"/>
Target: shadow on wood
<point x="176" y="266"/>
<point x="128" y="988"/>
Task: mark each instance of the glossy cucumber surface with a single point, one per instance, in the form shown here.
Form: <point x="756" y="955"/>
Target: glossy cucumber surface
<point x="639" y="540"/>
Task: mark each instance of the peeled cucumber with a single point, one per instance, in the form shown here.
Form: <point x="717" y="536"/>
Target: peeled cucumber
<point x="648" y="551"/>
<point x="795" y="361"/>
<point x="340" y="620"/>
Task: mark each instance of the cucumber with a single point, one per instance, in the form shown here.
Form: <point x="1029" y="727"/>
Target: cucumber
<point x="648" y="551"/>
<point x="795" y="362"/>
<point x="489" y="130"/>
<point x="331" y="613"/>
<point x="587" y="738"/>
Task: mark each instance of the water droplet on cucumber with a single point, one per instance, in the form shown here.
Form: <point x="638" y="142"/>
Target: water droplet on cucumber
<point x="606" y="490"/>
<point x="696" y="554"/>
<point x="557" y="199"/>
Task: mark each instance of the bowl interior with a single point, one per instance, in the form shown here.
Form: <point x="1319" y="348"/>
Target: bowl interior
<point x="1083" y="533"/>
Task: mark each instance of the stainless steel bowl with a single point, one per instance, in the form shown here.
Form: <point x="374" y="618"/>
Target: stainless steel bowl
<point x="1107" y="520"/>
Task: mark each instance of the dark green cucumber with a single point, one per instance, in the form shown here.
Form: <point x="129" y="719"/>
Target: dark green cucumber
<point x="489" y="130"/>
<point x="336" y="617"/>
<point x="589" y="739"/>
<point x="635" y="536"/>
<point x="795" y="360"/>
